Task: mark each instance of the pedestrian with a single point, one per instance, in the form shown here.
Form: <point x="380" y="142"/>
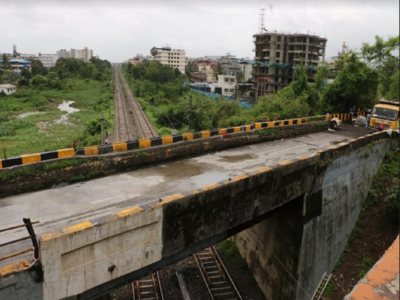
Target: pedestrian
<point x="368" y="118"/>
<point x="253" y="124"/>
<point x="352" y="111"/>
<point x="106" y="141"/>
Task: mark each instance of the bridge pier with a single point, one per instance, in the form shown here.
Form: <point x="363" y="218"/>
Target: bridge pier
<point x="272" y="250"/>
<point x="289" y="251"/>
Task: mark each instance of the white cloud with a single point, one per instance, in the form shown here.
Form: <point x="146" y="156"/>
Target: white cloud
<point x="124" y="28"/>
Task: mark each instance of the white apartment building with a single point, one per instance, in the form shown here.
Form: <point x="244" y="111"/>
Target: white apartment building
<point x="175" y="58"/>
<point x="62" y="53"/>
<point x="28" y="56"/>
<point x="48" y="60"/>
<point x="84" y="54"/>
<point x="228" y="84"/>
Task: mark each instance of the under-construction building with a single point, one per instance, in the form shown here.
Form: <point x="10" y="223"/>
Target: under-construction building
<point x="277" y="56"/>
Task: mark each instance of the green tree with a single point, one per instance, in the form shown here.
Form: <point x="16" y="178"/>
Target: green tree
<point x="380" y="51"/>
<point x="321" y="75"/>
<point x="190" y="68"/>
<point x="218" y="69"/>
<point x="240" y="77"/>
<point x="300" y="88"/>
<point x="5" y="63"/>
<point x="154" y="52"/>
<point x="380" y="56"/>
<point x="356" y="84"/>
<point x="39" y="80"/>
<point x="394" y="88"/>
<point x="38" y="68"/>
<point x="26" y="74"/>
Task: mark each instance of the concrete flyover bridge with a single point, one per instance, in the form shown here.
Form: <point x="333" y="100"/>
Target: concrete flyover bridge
<point x="289" y="196"/>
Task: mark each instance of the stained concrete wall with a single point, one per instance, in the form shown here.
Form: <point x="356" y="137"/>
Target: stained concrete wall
<point x="18" y="284"/>
<point x="344" y="187"/>
<point x="329" y="211"/>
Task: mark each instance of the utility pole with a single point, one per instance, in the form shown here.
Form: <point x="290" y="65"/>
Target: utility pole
<point x="257" y="92"/>
<point x="102" y="128"/>
<point x="141" y="85"/>
<point x="190" y="111"/>
<point x="154" y="98"/>
<point x="109" y="99"/>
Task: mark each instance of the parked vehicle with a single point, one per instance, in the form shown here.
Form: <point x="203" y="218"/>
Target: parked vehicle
<point x="385" y="113"/>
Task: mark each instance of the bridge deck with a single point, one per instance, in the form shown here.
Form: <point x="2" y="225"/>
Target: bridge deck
<point x="61" y="207"/>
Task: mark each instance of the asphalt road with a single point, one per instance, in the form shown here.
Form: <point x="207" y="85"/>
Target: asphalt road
<point x="61" y="207"/>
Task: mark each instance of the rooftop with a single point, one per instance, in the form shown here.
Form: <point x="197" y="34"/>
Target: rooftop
<point x="15" y="60"/>
<point x="7" y="85"/>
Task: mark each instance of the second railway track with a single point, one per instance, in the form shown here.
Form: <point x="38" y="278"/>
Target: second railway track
<point x="148" y="288"/>
<point x="216" y="276"/>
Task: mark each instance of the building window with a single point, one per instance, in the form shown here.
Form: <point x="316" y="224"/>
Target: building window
<point x="225" y="90"/>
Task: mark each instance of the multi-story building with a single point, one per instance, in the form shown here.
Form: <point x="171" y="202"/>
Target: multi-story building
<point x="175" y="58"/>
<point x="276" y="57"/>
<point x="16" y="65"/>
<point x="28" y="56"/>
<point x="48" y="60"/>
<point x="84" y="54"/>
<point x="207" y="67"/>
<point x="228" y="85"/>
<point x="62" y="53"/>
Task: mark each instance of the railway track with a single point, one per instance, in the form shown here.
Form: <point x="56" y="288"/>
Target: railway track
<point x="122" y="131"/>
<point x="148" y="288"/>
<point x="215" y="275"/>
<point x="143" y="124"/>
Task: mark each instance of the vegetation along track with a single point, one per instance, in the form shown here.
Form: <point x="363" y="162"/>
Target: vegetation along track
<point x="143" y="125"/>
<point x="215" y="275"/>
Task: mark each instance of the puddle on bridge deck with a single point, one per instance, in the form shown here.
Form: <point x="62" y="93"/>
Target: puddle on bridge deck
<point x="175" y="170"/>
<point x="236" y="158"/>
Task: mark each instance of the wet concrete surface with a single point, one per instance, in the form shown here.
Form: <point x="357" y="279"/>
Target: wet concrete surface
<point x="64" y="206"/>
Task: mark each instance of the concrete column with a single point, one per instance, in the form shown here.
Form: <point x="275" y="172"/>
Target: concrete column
<point x="272" y="250"/>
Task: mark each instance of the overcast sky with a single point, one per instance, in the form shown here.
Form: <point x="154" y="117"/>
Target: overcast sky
<point x="122" y="29"/>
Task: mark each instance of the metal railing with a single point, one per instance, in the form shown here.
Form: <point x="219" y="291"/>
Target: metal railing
<point x="35" y="247"/>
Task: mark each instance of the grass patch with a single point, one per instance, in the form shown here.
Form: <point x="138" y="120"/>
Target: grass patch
<point x="41" y="132"/>
<point x="231" y="252"/>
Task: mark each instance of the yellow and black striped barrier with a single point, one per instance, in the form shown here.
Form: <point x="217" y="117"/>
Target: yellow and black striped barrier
<point x="37" y="157"/>
<point x="164" y="140"/>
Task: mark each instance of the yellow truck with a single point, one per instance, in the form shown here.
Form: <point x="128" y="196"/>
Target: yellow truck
<point x="385" y="113"/>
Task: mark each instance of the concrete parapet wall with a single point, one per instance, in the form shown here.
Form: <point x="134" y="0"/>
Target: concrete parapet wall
<point x="91" y="258"/>
<point x="86" y="255"/>
<point x="45" y="174"/>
